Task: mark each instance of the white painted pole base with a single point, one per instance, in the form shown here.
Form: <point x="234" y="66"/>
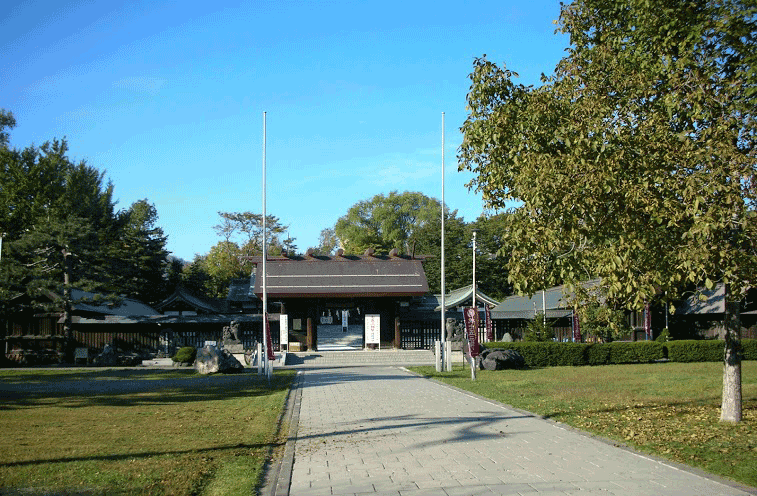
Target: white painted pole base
<point x="438" y="355"/>
<point x="260" y="358"/>
<point x="448" y="356"/>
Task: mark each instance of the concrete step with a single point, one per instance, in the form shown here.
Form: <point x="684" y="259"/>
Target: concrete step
<point x="334" y="338"/>
<point x="364" y="358"/>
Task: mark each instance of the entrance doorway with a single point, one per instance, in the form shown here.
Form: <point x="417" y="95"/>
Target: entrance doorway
<point x="335" y="338"/>
<point x="340" y="327"/>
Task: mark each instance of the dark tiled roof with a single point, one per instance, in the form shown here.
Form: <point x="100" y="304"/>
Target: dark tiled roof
<point x="199" y="304"/>
<point x="345" y="276"/>
<point x="556" y="300"/>
<point x="85" y="301"/>
<point x="239" y="290"/>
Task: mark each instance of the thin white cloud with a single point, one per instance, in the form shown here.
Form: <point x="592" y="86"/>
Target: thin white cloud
<point x="149" y="85"/>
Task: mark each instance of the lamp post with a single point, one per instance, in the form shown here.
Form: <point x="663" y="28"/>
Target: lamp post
<point x="475" y="312"/>
<point x="443" y="358"/>
<point x="475" y="231"/>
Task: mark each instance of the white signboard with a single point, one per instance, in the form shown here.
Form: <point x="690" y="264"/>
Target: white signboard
<point x="283" y="329"/>
<point x="345" y="320"/>
<point x="372" y="329"/>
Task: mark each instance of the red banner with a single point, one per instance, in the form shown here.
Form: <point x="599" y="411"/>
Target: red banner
<point x="576" y="328"/>
<point x="471" y="329"/>
<point x="268" y="342"/>
<point x="489" y="325"/>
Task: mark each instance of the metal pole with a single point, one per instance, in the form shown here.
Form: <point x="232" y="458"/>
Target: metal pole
<point x="470" y="351"/>
<point x="444" y="289"/>
<point x="544" y="306"/>
<point x="265" y="255"/>
<point x="474" y="270"/>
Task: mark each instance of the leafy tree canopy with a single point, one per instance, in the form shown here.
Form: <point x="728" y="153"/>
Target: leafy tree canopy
<point x="242" y="237"/>
<point x="386" y="222"/>
<point x="635" y="160"/>
<point x="60" y="230"/>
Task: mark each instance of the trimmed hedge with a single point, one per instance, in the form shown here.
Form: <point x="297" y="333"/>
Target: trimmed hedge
<point x="707" y="351"/>
<point x="552" y="354"/>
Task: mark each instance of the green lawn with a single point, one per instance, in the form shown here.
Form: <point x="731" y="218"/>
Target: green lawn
<point x="170" y="432"/>
<point x="666" y="409"/>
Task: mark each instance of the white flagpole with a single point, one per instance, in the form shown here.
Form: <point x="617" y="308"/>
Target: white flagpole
<point x="444" y="359"/>
<point x="265" y="255"/>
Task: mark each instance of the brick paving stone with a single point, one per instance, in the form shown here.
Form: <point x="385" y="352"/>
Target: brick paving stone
<point x="382" y="430"/>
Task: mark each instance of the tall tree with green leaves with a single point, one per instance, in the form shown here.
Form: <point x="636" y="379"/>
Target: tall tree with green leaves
<point x="138" y="254"/>
<point x="327" y="242"/>
<point x="53" y="215"/>
<point x="60" y="232"/>
<point x="386" y="222"/>
<point x="211" y="274"/>
<point x="634" y="161"/>
<point x="458" y="261"/>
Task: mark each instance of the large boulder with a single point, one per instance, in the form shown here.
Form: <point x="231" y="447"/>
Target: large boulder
<point x="211" y="360"/>
<point x="499" y="359"/>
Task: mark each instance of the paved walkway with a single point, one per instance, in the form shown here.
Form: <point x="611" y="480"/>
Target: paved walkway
<point x="382" y="430"/>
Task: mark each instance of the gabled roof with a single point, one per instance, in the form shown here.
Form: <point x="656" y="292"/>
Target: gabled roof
<point x="556" y="300"/>
<point x="342" y="276"/>
<point x="458" y="297"/>
<point x="240" y="290"/>
<point x="85" y="301"/>
<point x="183" y="295"/>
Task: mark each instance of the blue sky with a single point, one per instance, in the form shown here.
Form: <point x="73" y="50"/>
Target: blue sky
<point x="168" y="99"/>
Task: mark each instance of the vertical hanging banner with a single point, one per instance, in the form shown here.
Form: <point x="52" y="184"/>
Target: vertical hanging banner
<point x="345" y="320"/>
<point x="373" y="329"/>
<point x="283" y="330"/>
<point x="576" y="327"/>
<point x="471" y="329"/>
<point x="648" y="322"/>
<point x="489" y="325"/>
<point x="268" y="342"/>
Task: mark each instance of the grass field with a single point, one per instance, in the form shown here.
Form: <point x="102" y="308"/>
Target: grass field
<point x="161" y="432"/>
<point x="666" y="409"/>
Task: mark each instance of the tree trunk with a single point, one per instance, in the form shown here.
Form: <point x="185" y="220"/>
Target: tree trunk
<point x="67" y="324"/>
<point x="730" y="410"/>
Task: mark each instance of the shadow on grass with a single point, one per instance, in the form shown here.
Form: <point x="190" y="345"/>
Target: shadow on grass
<point x="642" y="410"/>
<point x="134" y="390"/>
<point x="147" y="454"/>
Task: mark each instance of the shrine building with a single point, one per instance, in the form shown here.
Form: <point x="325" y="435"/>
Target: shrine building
<point x="329" y="300"/>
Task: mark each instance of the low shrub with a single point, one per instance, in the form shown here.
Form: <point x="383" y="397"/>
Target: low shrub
<point x="749" y="348"/>
<point x="690" y="350"/>
<point x="552" y="354"/>
<point x="186" y="354"/>
<point x="707" y="350"/>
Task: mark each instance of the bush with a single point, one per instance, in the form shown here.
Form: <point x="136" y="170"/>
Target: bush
<point x="690" y="350"/>
<point x="707" y="351"/>
<point x="598" y="354"/>
<point x="568" y="354"/>
<point x="551" y="354"/>
<point x="749" y="348"/>
<point x="187" y="354"/>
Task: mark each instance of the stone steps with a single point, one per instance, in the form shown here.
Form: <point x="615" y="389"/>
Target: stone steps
<point x="364" y="358"/>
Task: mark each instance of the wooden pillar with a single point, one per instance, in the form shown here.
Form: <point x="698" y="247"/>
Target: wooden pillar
<point x="397" y="337"/>
<point x="309" y="342"/>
